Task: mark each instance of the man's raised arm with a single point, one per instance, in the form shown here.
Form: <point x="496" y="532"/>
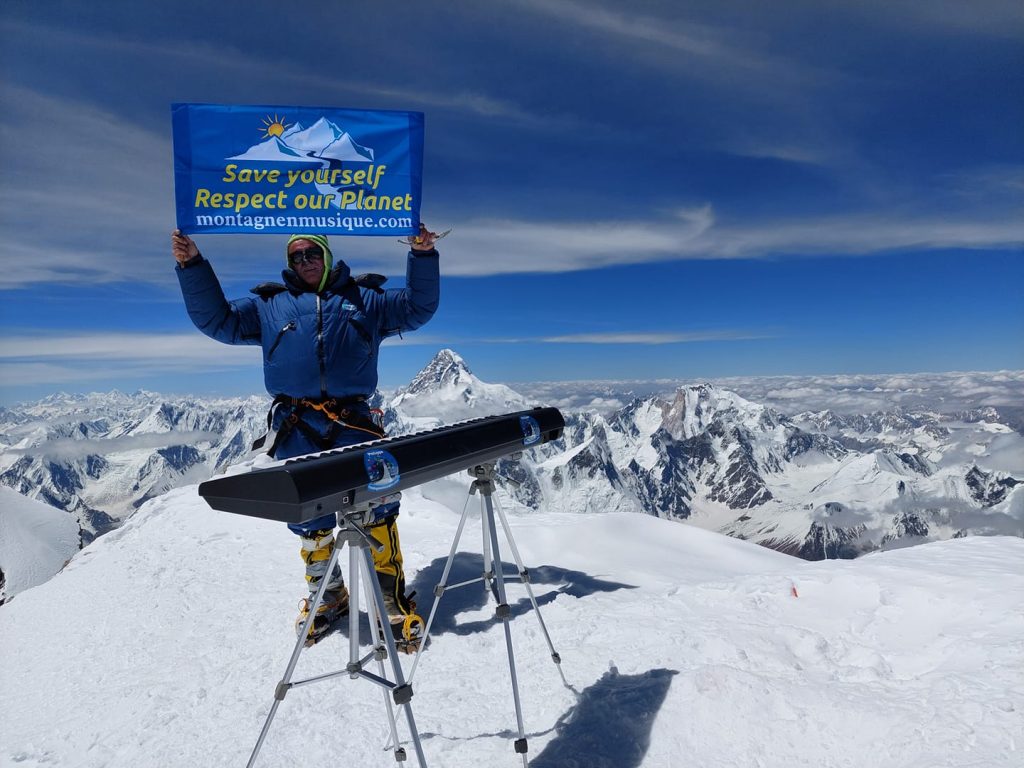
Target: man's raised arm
<point x="231" y="322"/>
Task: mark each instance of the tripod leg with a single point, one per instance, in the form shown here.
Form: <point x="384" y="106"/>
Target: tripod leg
<point x="487" y="560"/>
<point x="285" y="684"/>
<point x="524" y="576"/>
<point x="503" y="613"/>
<point x="369" y="579"/>
<point x="439" y="589"/>
<point x="485" y="526"/>
<point x="402" y="691"/>
<point x="353" y="606"/>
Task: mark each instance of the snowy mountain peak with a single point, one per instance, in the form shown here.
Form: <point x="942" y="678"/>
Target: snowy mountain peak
<point x="446" y="391"/>
<point x="447" y="369"/>
<point x="695" y="408"/>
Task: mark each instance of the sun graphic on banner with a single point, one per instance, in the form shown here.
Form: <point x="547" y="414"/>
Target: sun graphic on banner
<point x="274" y="127"/>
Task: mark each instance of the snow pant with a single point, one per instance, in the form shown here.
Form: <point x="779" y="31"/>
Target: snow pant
<point x="317" y="535"/>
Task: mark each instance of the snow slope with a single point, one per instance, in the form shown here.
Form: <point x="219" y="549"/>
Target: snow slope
<point x="35" y="541"/>
<point x="162" y="642"/>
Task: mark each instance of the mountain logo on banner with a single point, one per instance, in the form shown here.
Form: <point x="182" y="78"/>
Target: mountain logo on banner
<point x="295" y="144"/>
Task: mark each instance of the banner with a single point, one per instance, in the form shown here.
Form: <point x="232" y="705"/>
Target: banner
<point x="282" y="170"/>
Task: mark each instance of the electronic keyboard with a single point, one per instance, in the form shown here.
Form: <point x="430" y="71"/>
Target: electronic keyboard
<point x="339" y="480"/>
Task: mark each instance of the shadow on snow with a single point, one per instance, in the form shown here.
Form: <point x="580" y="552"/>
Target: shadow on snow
<point x="473" y="597"/>
<point x="610" y="725"/>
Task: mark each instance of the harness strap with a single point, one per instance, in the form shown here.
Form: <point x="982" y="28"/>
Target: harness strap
<point x="334" y="408"/>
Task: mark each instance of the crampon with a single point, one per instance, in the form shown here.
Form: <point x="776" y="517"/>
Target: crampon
<point x="407" y="632"/>
<point x="333" y="608"/>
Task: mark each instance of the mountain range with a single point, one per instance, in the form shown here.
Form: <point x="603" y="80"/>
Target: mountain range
<point x="817" y="484"/>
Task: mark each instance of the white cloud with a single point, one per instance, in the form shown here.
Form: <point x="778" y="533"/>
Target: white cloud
<point x="859" y="393"/>
<point x="864" y="393"/>
<point x="116" y="206"/>
<point x="85" y="210"/>
<point x="989" y="18"/>
<point x="717" y="51"/>
<point x="109" y="193"/>
<point x="66" y="448"/>
<point x="619" y="337"/>
<point x="652" y="338"/>
<point x="521" y="246"/>
<point x="189" y="347"/>
<point x="77" y="357"/>
<point x="72" y="357"/>
<point x="222" y="56"/>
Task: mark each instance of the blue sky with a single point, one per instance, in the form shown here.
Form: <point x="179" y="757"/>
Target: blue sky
<point x="673" y="190"/>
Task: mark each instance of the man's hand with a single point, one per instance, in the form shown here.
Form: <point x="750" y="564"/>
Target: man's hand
<point x="182" y="247"/>
<point x="424" y="241"/>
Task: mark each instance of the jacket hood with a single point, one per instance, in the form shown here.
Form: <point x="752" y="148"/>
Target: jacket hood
<point x="320" y="240"/>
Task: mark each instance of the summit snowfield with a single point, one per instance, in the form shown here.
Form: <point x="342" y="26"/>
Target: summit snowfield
<point x="161" y="644"/>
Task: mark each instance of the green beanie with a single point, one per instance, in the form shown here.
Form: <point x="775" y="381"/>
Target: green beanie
<point x="320" y="240"/>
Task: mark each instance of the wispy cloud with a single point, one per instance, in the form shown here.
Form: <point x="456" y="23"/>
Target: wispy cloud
<point x="223" y="56"/>
<point x="115" y="202"/>
<point x="69" y="448"/>
<point x="642" y="338"/>
<point x="749" y="93"/>
<point x="857" y="393"/>
<point x="109" y="192"/>
<point x="121" y="346"/>
<point x="65" y="358"/>
<point x="81" y="211"/>
<point x="521" y="246"/>
<point x="991" y="18"/>
<point x="72" y="357"/>
<point x="695" y="42"/>
<point x="653" y="338"/>
<point x="981" y="184"/>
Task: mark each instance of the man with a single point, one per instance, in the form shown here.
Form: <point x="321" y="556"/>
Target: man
<point x="321" y="331"/>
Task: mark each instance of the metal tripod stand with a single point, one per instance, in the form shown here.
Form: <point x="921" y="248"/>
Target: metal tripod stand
<point x="360" y="563"/>
<point x="494" y="581"/>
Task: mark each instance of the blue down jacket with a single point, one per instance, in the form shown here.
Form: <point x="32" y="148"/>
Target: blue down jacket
<point x="315" y="345"/>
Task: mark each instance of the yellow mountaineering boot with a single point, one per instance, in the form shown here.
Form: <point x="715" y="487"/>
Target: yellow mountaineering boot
<point x="405" y="624"/>
<point x="317" y="547"/>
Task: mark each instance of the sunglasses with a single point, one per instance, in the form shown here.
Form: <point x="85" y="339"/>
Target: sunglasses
<point x="302" y="255"/>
